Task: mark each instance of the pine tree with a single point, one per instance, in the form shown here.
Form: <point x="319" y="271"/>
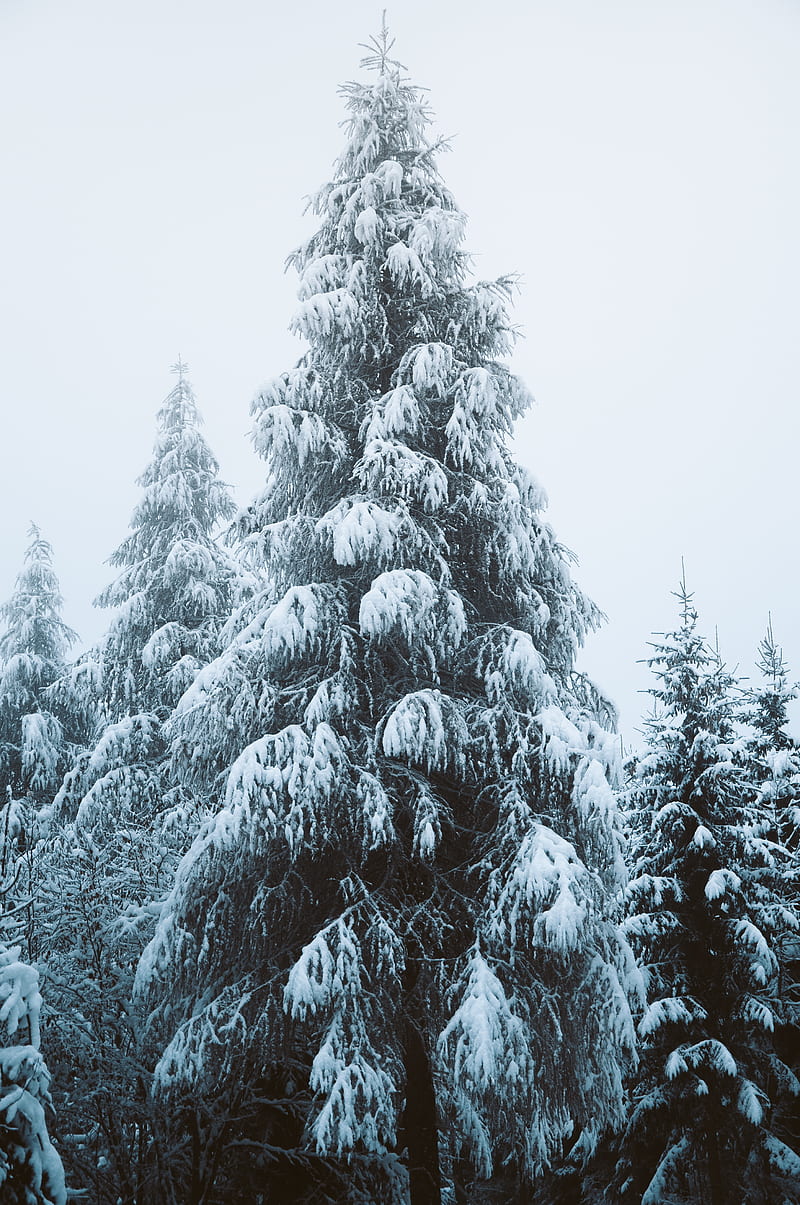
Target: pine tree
<point x="707" y="909"/>
<point x="33" y="651"/>
<point x="775" y="758"/>
<point x="395" y="930"/>
<point x="120" y="824"/>
<point x="776" y="753"/>
<point x="30" y="1168"/>
<point x="176" y="585"/>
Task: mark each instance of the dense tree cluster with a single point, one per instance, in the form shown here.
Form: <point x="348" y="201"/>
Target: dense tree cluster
<point x="325" y="856"/>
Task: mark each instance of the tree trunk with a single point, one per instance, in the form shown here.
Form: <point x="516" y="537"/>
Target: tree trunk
<point x="717" y="1192"/>
<point x="420" y="1127"/>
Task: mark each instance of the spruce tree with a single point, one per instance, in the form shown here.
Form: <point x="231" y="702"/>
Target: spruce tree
<point x="30" y="1168"/>
<point x="392" y="942"/>
<point x="775" y="751"/>
<point x="708" y="907"/>
<point x="120" y="824"/>
<point x="34" y="747"/>
<point x="175" y="586"/>
<point x="775" y="759"/>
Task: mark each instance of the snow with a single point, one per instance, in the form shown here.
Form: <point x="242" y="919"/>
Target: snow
<point x="561" y="739"/>
<point x="24" y="1081"/>
<point x="415" y="731"/>
<point x="326" y="315"/>
<point x="281" y="780"/>
<point x="546" y="887"/>
<point x="782" y="1157"/>
<point x="294" y="625"/>
<point x="702" y="838"/>
<point x="406" y="267"/>
<point x="720" y="883"/>
<point x="124" y="743"/>
<point x="312" y="979"/>
<point x="368" y="227"/>
<point x="376" y="808"/>
<point x="390" y="175"/>
<point x="297" y="389"/>
<point x="427" y="823"/>
<point x="521" y="665"/>
<point x="357" y="1092"/>
<point x="430" y="366"/>
<point x="323" y="274"/>
<point x="408" y="603"/>
<point x="764" y="964"/>
<point x="361" y="531"/>
<point x="758" y="1011"/>
<point x="285" y="431"/>
<point x="40" y="749"/>
<point x="20" y="999"/>
<point x="596" y="804"/>
<point x="394" y="470"/>
<point x="670" y="1010"/>
<point x="401" y="412"/>
<point x="483" y="1040"/>
<point x="749" y="1102"/>
<point x="709" y="1053"/>
<point x="357" y="1111"/>
<point x="657" y="1191"/>
<point x="437" y="235"/>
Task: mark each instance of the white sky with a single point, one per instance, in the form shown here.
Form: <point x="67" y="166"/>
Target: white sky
<point x="635" y="162"/>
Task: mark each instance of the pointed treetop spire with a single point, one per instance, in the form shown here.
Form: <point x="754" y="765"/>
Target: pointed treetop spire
<point x="686" y="599"/>
<point x="770" y="658"/>
<point x="378" y="48"/>
<point x="180" y="368"/>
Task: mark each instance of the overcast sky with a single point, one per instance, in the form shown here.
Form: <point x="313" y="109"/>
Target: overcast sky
<point x="635" y="162"/>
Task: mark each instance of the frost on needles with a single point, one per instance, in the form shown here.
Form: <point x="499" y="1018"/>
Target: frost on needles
<point x="395" y="935"/>
<point x="712" y="915"/>
<point x="119" y="823"/>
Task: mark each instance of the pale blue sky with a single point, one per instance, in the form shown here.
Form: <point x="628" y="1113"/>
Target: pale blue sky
<point x="635" y="162"/>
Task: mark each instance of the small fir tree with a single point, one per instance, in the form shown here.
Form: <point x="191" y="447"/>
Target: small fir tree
<point x="120" y="824"/>
<point x="30" y="1168"/>
<point x="393" y="938"/>
<point x="777" y="757"/>
<point x="34" y="746"/>
<point x="176" y="587"/>
<point x="776" y="762"/>
<point x="708" y="905"/>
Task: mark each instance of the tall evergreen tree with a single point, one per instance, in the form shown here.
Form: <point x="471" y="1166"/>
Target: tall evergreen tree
<point x="775" y="758"/>
<point x="120" y="824"/>
<point x="396" y="927"/>
<point x="710" y="900"/>
<point x="175" y="588"/>
<point x="33" y="651"/>
<point x="776" y="752"/>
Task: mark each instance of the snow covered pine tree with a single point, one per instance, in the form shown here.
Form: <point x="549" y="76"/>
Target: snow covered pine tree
<point x="176" y="585"/>
<point x="30" y="1169"/>
<point x="120" y="824"/>
<point x="710" y="900"/>
<point x="33" y="650"/>
<point x="775" y="758"/>
<point x="776" y="753"/>
<point x="395" y="932"/>
<point x="33" y="749"/>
